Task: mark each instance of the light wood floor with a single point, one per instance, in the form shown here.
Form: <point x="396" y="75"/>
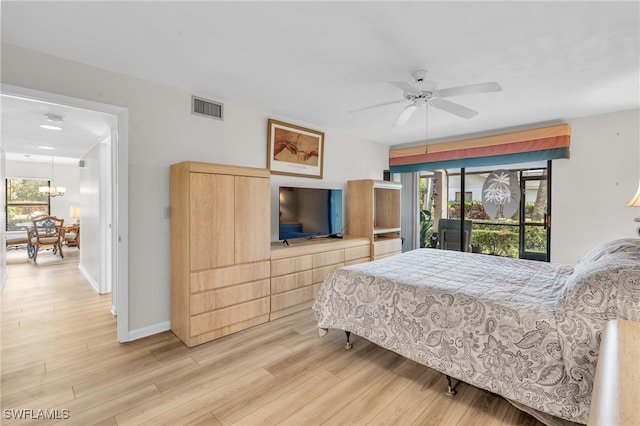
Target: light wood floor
<point x="59" y="351"/>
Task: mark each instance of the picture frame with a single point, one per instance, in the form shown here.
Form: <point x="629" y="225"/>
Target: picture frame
<point x="294" y="151"/>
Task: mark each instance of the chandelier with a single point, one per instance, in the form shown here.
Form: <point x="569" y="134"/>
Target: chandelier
<point x="52" y="189"/>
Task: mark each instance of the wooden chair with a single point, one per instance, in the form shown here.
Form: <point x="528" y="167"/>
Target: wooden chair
<point x="47" y="231"/>
<point x="72" y="235"/>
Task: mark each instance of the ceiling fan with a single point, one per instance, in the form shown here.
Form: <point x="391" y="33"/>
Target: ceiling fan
<point x="423" y="92"/>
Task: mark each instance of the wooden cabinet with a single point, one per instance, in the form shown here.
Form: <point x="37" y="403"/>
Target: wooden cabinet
<point x="220" y="250"/>
<point x="298" y="270"/>
<point x="373" y="211"/>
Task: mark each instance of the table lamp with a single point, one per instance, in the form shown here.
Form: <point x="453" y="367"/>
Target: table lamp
<point x="635" y="202"/>
<point x="74" y="212"/>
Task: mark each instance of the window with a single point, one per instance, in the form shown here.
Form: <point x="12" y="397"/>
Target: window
<point x="468" y="195"/>
<point x="525" y="233"/>
<point x="23" y="201"/>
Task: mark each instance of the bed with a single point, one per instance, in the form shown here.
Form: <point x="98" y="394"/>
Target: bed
<point x="526" y="330"/>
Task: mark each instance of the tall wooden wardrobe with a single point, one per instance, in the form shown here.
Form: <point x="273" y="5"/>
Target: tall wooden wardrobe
<point x="220" y="250"/>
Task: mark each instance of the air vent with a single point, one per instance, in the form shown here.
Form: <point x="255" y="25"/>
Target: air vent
<point x="206" y="108"/>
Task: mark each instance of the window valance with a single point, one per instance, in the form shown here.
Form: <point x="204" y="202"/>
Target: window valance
<point x="545" y="143"/>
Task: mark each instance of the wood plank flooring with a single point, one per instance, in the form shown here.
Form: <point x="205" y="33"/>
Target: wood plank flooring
<point x="59" y="353"/>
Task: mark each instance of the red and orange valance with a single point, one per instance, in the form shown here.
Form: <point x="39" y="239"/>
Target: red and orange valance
<point x="545" y="143"/>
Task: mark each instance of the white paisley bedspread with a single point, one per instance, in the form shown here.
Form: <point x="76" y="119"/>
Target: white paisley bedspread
<point x="527" y="330"/>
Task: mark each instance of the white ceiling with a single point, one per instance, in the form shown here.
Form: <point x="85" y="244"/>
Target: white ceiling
<point x="23" y="138"/>
<point x="312" y="62"/>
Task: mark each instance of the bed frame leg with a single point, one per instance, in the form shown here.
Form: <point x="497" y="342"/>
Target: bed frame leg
<point x="348" y="345"/>
<point x="450" y="390"/>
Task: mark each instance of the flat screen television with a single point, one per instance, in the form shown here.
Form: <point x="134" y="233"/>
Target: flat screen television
<point x="309" y="212"/>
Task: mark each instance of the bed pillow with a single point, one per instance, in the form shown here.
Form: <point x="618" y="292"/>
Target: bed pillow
<point x="607" y="287"/>
<point x="631" y="246"/>
<point x="596" y="292"/>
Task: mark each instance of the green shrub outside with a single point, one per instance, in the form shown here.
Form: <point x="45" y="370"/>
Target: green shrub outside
<point x="426" y="228"/>
<point x="499" y="238"/>
<point x="501" y="242"/>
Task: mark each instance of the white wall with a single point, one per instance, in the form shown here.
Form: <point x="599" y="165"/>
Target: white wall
<point x="90" y="209"/>
<point x="162" y="131"/>
<point x="590" y="190"/>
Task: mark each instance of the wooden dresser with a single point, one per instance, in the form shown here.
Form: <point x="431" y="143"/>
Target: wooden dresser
<point x="226" y="275"/>
<point x="298" y="270"/>
<point x="220" y="250"/>
<point x="373" y="208"/>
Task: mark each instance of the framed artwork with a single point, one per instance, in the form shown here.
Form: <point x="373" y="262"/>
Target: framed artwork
<point x="294" y="151"/>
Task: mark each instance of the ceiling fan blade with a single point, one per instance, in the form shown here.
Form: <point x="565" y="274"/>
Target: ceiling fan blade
<point x="405" y="87"/>
<point x="377" y="105"/>
<point x="453" y="108"/>
<point x="469" y="89"/>
<point x="405" y="115"/>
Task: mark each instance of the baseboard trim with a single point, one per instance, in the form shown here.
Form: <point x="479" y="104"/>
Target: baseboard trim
<point x="94" y="283"/>
<point x="149" y="331"/>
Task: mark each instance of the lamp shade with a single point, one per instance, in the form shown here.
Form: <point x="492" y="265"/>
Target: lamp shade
<point x="74" y="212"/>
<point x="635" y="201"/>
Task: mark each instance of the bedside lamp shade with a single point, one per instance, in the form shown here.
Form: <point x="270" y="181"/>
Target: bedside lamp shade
<point x="635" y="202"/>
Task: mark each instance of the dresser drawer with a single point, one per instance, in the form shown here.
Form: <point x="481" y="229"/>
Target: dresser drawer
<point x="224" y="317"/>
<point x="291" y="281"/>
<point x="353" y="253"/>
<point x="228" y="296"/>
<point x="290" y="265"/>
<point x="328" y="258"/>
<point x="223" y="277"/>
<point x="381" y="248"/>
<point x="357" y="261"/>
<point x="293" y="297"/>
<point x="319" y="274"/>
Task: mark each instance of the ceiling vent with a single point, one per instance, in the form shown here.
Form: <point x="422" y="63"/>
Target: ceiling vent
<point x="206" y="108"/>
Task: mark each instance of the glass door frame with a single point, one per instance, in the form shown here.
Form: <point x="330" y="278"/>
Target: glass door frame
<point x="523" y="253"/>
<point x="521" y="224"/>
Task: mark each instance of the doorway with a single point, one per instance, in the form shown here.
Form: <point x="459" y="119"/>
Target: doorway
<point x="115" y="173"/>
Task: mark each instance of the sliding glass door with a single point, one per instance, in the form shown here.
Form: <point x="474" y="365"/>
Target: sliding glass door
<point x="520" y="230"/>
<point x="534" y="216"/>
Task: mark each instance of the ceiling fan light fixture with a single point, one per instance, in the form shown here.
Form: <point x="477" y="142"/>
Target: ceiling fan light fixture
<point x="54" y="118"/>
<point x="50" y="127"/>
<point x="425" y="92"/>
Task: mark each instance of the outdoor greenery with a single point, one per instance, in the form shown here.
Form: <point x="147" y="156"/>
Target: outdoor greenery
<point x="426" y="215"/>
<point x="24" y="200"/>
<point x="426" y="228"/>
<point x="499" y="240"/>
<point x="490" y="236"/>
<point x="497" y="237"/>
